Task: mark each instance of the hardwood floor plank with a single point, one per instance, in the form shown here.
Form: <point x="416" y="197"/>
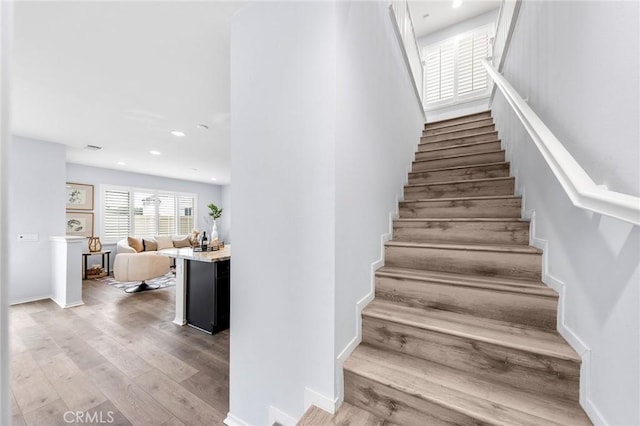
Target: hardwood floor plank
<point x="127" y="361"/>
<point x="30" y="386"/>
<point x="136" y="404"/>
<point x="214" y="390"/>
<point x="184" y="404"/>
<point x="74" y="387"/>
<point x="105" y="413"/>
<point x="52" y="414"/>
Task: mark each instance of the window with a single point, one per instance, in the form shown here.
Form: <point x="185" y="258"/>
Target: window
<point x="453" y="71"/>
<point x="145" y="213"/>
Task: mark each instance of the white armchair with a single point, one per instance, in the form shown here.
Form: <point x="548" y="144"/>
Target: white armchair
<point x="140" y="267"/>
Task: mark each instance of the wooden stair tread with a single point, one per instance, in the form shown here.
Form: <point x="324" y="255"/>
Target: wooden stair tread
<point x="455" y="137"/>
<point x="458" y="156"/>
<point x="463" y="219"/>
<point x="507" y="248"/>
<point x="466" y="166"/>
<point x="455" y="118"/>
<point x="467" y="181"/>
<point x="482" y="197"/>
<point x="494" y="283"/>
<point x="496" y="332"/>
<point x="487" y="402"/>
<point x="347" y="414"/>
<point x="467" y="145"/>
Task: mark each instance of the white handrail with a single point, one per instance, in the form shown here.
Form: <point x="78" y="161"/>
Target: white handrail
<point x="580" y="188"/>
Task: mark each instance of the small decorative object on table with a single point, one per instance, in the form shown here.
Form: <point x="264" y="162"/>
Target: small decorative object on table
<point x="94" y="244"/>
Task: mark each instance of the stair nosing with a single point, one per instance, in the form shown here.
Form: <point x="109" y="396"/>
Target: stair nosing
<point x="455" y="182"/>
<point x="466" y="166"/>
<point x="461" y="116"/>
<point x="498" y="248"/>
<point x="483" y="197"/>
<point x="469" y="335"/>
<point x="466" y="145"/>
<point x="458" y="156"/>
<point x="456" y="124"/>
<point x="515" y="287"/>
<point x="454" y="138"/>
<point x="463" y="219"/>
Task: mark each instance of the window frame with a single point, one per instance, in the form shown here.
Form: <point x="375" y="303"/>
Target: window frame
<point x="104" y="188"/>
<point x="455" y="40"/>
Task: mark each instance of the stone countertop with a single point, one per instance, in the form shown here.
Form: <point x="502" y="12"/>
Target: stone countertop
<point x="189" y="254"/>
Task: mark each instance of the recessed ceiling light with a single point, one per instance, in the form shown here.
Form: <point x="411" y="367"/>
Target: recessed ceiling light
<point x="154" y="152"/>
<point x="202" y="126"/>
<point x="121" y="163"/>
<point x="214" y="179"/>
<point x="177" y="133"/>
<point x="456" y="4"/>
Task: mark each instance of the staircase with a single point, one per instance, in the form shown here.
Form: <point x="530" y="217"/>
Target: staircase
<point x="462" y="330"/>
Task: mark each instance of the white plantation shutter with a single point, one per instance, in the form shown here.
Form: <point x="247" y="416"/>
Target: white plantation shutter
<point x="144" y="214"/>
<point x="453" y="71"/>
<point x="185" y="215"/>
<point x="116" y="217"/>
<point x="167" y="215"/>
<point x="439" y="73"/>
<point x="472" y="76"/>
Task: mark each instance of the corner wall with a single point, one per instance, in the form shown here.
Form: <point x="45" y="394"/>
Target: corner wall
<point x="590" y="102"/>
<point x="36" y="206"/>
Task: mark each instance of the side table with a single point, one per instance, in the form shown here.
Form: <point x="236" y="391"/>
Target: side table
<point x="84" y="261"/>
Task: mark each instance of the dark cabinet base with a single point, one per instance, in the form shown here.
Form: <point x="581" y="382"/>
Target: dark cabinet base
<point x="208" y="295"/>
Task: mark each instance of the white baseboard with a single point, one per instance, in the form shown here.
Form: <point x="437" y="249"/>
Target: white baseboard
<point x="232" y="420"/>
<point x="312" y="397"/>
<point x="30" y="299"/>
<point x="565" y="331"/>
<point x="277" y="416"/>
<point x="68" y="305"/>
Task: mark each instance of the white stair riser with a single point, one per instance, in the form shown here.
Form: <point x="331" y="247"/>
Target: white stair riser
<point x="458" y="120"/>
<point x="480" y="262"/>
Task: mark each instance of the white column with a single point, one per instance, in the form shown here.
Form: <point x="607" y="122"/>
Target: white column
<point x="181" y="300"/>
<point x="66" y="271"/>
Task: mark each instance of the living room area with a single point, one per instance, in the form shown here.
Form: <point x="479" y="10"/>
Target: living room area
<point x="139" y="122"/>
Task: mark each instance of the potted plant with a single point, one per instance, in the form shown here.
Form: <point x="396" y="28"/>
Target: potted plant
<point x="214" y="213"/>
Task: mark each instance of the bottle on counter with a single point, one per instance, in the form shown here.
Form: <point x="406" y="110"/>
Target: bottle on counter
<point x="204" y="242"/>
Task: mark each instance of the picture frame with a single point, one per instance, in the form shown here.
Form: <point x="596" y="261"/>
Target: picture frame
<point x="79" y="196"/>
<point x="79" y="224"/>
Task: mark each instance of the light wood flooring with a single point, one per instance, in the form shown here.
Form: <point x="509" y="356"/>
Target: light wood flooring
<point x="118" y="357"/>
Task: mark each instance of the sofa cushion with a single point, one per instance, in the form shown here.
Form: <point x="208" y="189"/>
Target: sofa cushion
<point x="164" y="242"/>
<point x="149" y="245"/>
<point x="182" y="242"/>
<point x="135" y="243"/>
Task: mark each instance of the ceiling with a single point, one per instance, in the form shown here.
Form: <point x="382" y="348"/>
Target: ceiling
<point x="442" y="14"/>
<point x="122" y="75"/>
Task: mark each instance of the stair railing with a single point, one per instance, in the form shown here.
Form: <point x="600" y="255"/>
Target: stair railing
<point x="405" y="33"/>
<point x="580" y="188"/>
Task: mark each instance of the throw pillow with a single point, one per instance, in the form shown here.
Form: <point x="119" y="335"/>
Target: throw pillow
<point x="149" y="245"/>
<point x="181" y="243"/>
<point x="194" y="237"/>
<point x="164" y="242"/>
<point x="135" y="243"/>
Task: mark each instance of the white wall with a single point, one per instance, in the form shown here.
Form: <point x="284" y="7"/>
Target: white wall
<point x="283" y="97"/>
<point x="468" y="107"/>
<point x="97" y="176"/>
<point x="225" y="219"/>
<point x="36" y="206"/>
<point x="590" y="102"/>
<point x="378" y="128"/>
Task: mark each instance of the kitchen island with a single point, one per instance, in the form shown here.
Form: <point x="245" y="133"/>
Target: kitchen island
<point x="202" y="288"/>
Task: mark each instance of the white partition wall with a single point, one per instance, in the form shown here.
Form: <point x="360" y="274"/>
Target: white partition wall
<point x="66" y="270"/>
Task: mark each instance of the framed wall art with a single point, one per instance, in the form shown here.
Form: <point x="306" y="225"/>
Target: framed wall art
<point x="79" y="196"/>
<point x="80" y="224"/>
